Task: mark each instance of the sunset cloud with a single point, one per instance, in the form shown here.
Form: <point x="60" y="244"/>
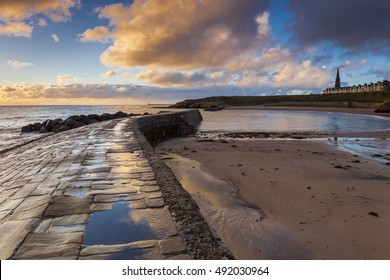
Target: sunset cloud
<point x="109" y="73"/>
<point x="98" y="34"/>
<point x="184" y="34"/>
<point x="201" y="43"/>
<point x="18" y="10"/>
<point x="19" y="64"/>
<point x="15" y="29"/>
<point x="15" y="14"/>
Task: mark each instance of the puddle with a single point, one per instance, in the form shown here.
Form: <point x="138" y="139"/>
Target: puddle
<point x="239" y="224"/>
<point x="119" y="225"/>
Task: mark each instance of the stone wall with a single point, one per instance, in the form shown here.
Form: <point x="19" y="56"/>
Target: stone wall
<point x="159" y="127"/>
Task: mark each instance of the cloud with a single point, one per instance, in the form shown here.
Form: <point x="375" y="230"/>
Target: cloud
<point x="55" y="38"/>
<point x="18" y="10"/>
<point x="19" y="64"/>
<point x="201" y="43"/>
<point x="274" y="67"/>
<point x="65" y="78"/>
<point x="109" y="73"/>
<point x="189" y="34"/>
<point x="356" y="25"/>
<point x="42" y="22"/>
<point x="171" y="78"/>
<point x="29" y="93"/>
<point x="16" y="29"/>
<point x="15" y="15"/>
<point x="98" y="34"/>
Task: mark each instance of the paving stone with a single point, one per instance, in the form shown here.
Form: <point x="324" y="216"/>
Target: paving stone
<point x="77" y="191"/>
<point x="44" y="226"/>
<point x="68" y="205"/>
<point x="96" y="207"/>
<point x="138" y="204"/>
<point x="10" y="204"/>
<point x="115" y="190"/>
<point x="71" y="220"/>
<point x="53" y="238"/>
<point x="66" y="229"/>
<point x="25" y="190"/>
<point x="105" y="249"/>
<point x="57" y="251"/>
<point x="155" y="203"/>
<point x="152" y="195"/>
<point x="12" y="233"/>
<point x="154" y="188"/>
<point x="172" y="246"/>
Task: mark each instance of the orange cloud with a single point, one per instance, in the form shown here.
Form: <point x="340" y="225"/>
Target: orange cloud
<point x="15" y="14"/>
<point x="182" y="34"/>
<point x="18" y="10"/>
<point x="16" y="29"/>
<point x="98" y="34"/>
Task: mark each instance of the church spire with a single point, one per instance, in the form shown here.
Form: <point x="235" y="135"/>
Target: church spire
<point x="337" y="83"/>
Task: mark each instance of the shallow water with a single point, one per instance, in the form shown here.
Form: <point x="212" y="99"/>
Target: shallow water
<point x="372" y="148"/>
<point x="239" y="224"/>
<point x="290" y="121"/>
<point x="119" y="225"/>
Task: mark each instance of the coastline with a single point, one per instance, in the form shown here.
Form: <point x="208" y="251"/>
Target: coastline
<point x="360" y="111"/>
<point x="306" y="199"/>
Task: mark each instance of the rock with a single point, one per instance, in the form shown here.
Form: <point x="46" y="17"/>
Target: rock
<point x="70" y="122"/>
<point x="50" y="124"/>
<point x="92" y="121"/>
<point x="120" y="114"/>
<point x="43" y="130"/>
<point x="37" y="126"/>
<point x="64" y="128"/>
<point x="59" y="121"/>
<point x="105" y="117"/>
<point x="78" y="124"/>
<point x="27" y="128"/>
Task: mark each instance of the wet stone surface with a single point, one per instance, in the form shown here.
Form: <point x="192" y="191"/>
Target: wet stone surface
<point x="88" y="193"/>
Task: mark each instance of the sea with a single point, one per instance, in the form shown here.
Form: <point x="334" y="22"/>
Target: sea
<point x="12" y="118"/>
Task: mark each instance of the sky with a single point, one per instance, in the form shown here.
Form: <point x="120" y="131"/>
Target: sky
<point x="69" y="52"/>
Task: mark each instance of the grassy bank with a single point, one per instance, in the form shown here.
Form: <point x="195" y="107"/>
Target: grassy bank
<point x="365" y="97"/>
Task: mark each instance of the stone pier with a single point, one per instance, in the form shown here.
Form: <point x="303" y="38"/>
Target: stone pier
<point x="87" y="193"/>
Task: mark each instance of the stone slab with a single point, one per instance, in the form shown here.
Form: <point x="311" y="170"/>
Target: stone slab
<point x="57" y="251"/>
<point x="12" y="233"/>
<point x="105" y="249"/>
<point x="172" y="246"/>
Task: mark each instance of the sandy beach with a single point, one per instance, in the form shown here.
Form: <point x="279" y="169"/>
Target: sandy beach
<point x="286" y="199"/>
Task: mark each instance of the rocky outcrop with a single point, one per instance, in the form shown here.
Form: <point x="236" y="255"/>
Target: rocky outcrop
<point x="195" y="104"/>
<point x="59" y="125"/>
<point x="163" y="126"/>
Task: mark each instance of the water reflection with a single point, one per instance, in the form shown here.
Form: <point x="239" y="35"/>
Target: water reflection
<point x="373" y="148"/>
<point x="290" y="121"/>
<point x="119" y="225"/>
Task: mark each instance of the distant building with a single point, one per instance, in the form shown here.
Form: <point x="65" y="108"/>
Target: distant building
<point x="379" y="86"/>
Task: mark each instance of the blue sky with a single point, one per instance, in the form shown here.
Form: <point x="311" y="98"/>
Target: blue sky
<point x="110" y="52"/>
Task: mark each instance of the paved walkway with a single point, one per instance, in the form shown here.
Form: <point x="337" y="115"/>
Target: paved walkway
<point x="88" y="193"/>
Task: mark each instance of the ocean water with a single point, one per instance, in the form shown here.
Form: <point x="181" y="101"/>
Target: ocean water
<point x="12" y="118"/>
<point x="290" y="121"/>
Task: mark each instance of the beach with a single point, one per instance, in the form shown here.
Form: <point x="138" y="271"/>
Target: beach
<point x="285" y="198"/>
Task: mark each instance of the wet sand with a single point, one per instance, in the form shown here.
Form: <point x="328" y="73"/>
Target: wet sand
<point x="286" y="199"/>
